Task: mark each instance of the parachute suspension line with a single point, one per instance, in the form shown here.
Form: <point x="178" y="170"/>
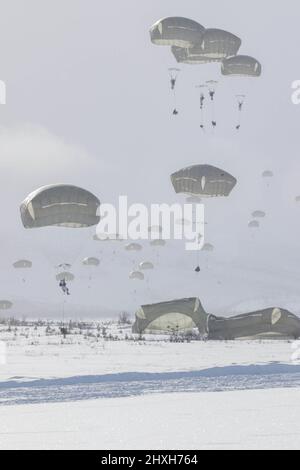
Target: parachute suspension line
<point x="199" y="237"/>
<point x="240" y="103"/>
<point x="202" y="104"/>
<point x="173" y="79"/>
<point x="212" y="84"/>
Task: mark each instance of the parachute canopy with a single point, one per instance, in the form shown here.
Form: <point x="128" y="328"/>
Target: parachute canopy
<point x="254" y="224"/>
<point x="192" y="56"/>
<point x="241" y="65"/>
<point x="268" y="174"/>
<point x="136" y="276"/>
<point x="64" y="266"/>
<point x="259" y="214"/>
<point x="60" y="205"/>
<point x="176" y="31"/>
<point x="91" y="262"/>
<point x="218" y="44"/>
<point x="167" y="317"/>
<point x="146" y="266"/>
<point x="65" y="276"/>
<point x="203" y="180"/>
<point x="22" y="264"/>
<point x="208" y="247"/>
<point x="272" y="322"/>
<point x="133" y="247"/>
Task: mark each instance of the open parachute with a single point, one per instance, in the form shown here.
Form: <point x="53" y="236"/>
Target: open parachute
<point x="60" y="205"/>
<point x="204" y="181"/>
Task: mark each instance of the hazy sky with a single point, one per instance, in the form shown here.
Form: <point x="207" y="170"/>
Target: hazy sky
<point x="88" y="103"/>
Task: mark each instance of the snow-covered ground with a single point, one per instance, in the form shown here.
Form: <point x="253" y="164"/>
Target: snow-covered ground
<point x="89" y="392"/>
<point x="267" y="419"/>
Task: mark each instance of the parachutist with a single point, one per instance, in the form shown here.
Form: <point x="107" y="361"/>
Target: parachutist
<point x="175" y="112"/>
<point x="212" y="94"/>
<point x="202" y="127"/>
<point x="198" y="270"/>
<point x="173" y="83"/>
<point x="64" y="287"/>
<point x="214" y="124"/>
<point x="238" y="127"/>
<point x="202" y="99"/>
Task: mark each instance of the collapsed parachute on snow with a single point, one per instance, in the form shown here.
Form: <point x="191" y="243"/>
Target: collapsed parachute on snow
<point x="186" y="314"/>
<point x="62" y="206"/>
<point x="204" y="181"/>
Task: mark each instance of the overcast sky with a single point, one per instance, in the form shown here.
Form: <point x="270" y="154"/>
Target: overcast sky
<point x="88" y="103"/>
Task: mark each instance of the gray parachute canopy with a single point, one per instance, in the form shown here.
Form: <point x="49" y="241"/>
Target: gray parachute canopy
<point x="136" y="276"/>
<point x="241" y="65"/>
<point x="191" y="56"/>
<point x="218" y="44"/>
<point x="146" y="266"/>
<point x="133" y="247"/>
<point x="254" y="224"/>
<point x="272" y="322"/>
<point x="22" y="264"/>
<point x="268" y="174"/>
<point x="91" y="262"/>
<point x="176" y="31"/>
<point x="259" y="214"/>
<point x="60" y="205"/>
<point x="65" y="277"/>
<point x="167" y="317"/>
<point x="203" y="180"/>
<point x="5" y="305"/>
